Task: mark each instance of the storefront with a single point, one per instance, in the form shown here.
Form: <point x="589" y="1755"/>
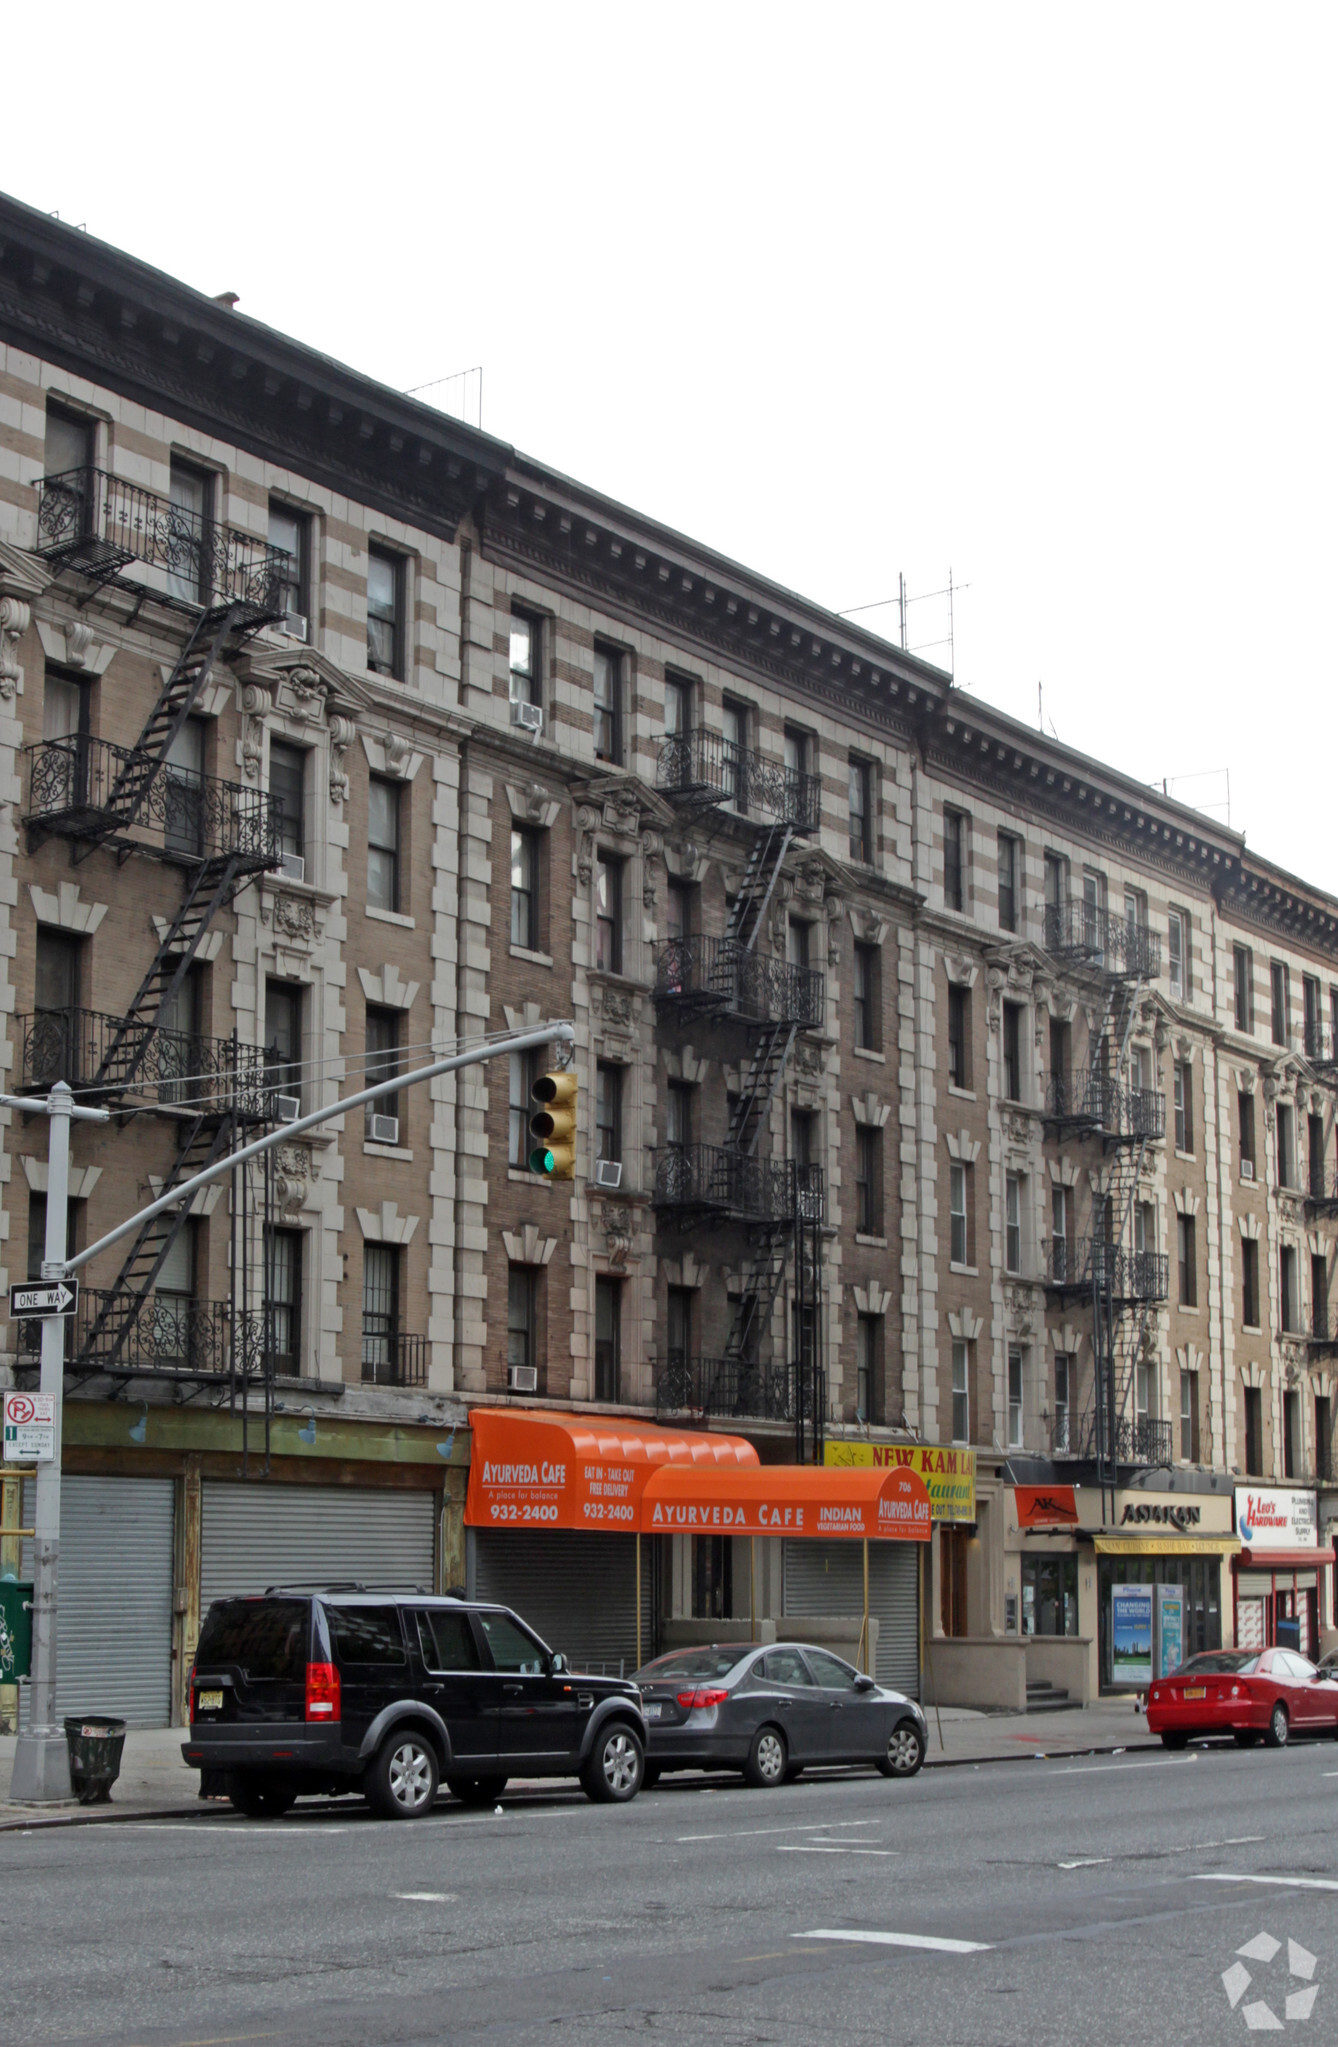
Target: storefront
<point x="903" y="1581"/>
<point x="1280" y="1586"/>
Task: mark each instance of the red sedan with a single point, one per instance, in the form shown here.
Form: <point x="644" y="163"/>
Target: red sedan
<point x="1245" y="1693"/>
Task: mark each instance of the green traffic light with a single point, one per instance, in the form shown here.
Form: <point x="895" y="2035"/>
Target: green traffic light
<point x="542" y="1161"/>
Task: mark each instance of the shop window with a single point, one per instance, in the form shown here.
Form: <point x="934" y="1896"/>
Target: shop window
<point x="712" y="1577"/>
<point x="1254" y="1430"/>
<point x="1049" y="1595"/>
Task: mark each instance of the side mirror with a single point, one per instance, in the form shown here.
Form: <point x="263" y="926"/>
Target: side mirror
<point x="865" y="1684"/>
<point x="559" y="1667"/>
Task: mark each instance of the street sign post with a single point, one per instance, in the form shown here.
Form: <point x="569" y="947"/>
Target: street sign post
<point x="38" y="1298"/>
<point x="29" y="1428"/>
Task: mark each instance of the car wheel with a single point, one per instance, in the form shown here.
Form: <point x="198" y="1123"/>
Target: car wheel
<point x="476" y="1790"/>
<point x="1278" y="1727"/>
<point x="1245" y="1737"/>
<point x="613" y="1771"/>
<point x="1174" y="1740"/>
<point x="768" y="1759"/>
<point x="260" y="1798"/>
<point x="905" y="1751"/>
<point x="402" y="1781"/>
<point x="650" y="1776"/>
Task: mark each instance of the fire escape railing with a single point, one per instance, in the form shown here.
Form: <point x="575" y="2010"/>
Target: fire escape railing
<point x="181" y="816"/>
<point x="177" y="1069"/>
<point x="96" y="523"/>
<point x="716" y="973"/>
<point x="706" y="1179"/>
<point x="706" y="766"/>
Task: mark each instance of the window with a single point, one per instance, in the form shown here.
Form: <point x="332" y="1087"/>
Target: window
<point x="1287" y="1289"/>
<point x="56" y="1034"/>
<point x="954" y="859"/>
<point x="283" y="1037"/>
<point x="69" y="445"/>
<point x="712" y="1577"/>
<point x="283" y="1300"/>
<point x="959" y="1037"/>
<point x="733" y="749"/>
<point x="290" y="531"/>
<point x="1015" y="1400"/>
<point x="174" y="1293"/>
<point x="383" y="844"/>
<point x="861" y="819"/>
<point x="959" y="1220"/>
<point x="1333" y="1017"/>
<point x="190" y="495"/>
<point x="1093" y="910"/>
<point x="1291" y="1434"/>
<point x="868" y="1351"/>
<point x="1254" y="1429"/>
<point x="1063" y="1395"/>
<point x="1313" y="1009"/>
<point x="678" y="1114"/>
<point x="1286" y="1146"/>
<point x="1012" y="1222"/>
<point x="1061" y="1052"/>
<point x="1323" y="1439"/>
<point x="1049" y="1595"/>
<point x="868" y="1176"/>
<point x="521" y="1292"/>
<point x="1059" y="1234"/>
<point x="794" y="752"/>
<point x="511" y="1647"/>
<point x="1249" y="1282"/>
<point x="1135" y="922"/>
<point x="679" y="899"/>
<point x="608" y="1110"/>
<point x="608" y="914"/>
<point x="1281" y="992"/>
<point x="608" y="1338"/>
<point x="524" y="1071"/>
<point x="677" y="706"/>
<point x="1184" y="1106"/>
<point x="1177" y="955"/>
<point x="678" y="1327"/>
<point x="1145" y="1228"/>
<point x="446" y="1641"/>
<point x="796" y="943"/>
<point x="803" y="1125"/>
<point x="1009" y="865"/>
<point x="1189" y="1417"/>
<point x="1245" y="1126"/>
<point x="1143" y="1391"/>
<point x="1319" y="1294"/>
<point x="1242" y="967"/>
<point x="866" y="1006"/>
<point x="382" y="1061"/>
<point x="525" y="889"/>
<point x="961" y="1396"/>
<point x="381" y="1315"/>
<point x="183" y="790"/>
<point x="287" y="787"/>
<point x="608" y="730"/>
<point x="1056" y="899"/>
<point x="1189" y="1277"/>
<point x="369" y="1635"/>
<point x="1315" y="1161"/>
<point x="526" y="675"/>
<point x="385" y="613"/>
<point x="1012" y="1051"/>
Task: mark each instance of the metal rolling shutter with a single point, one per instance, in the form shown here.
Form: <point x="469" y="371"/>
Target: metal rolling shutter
<point x="258" y="1535"/>
<point x="114" y="1601"/>
<point x="827" y="1578"/>
<point x="578" y="1591"/>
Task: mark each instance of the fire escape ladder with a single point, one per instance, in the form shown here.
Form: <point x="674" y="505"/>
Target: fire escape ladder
<point x="760" y="876"/>
<point x="762" y="1078"/>
<point x="760" y="1282"/>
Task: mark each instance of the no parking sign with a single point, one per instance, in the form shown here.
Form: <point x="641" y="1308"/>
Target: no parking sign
<point x="30" y="1428"/>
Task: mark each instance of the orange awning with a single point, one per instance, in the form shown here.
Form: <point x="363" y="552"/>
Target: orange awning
<point x="815" y="1500"/>
<point x="533" y="1469"/>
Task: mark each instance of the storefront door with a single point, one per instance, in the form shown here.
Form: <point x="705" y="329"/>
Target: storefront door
<point x="1200" y="1579"/>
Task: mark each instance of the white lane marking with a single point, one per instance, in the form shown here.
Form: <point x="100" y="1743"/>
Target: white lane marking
<point x="807" y="1848"/>
<point x="1101" y="1769"/>
<point x="426" y="1897"/>
<point x="1294" y="1883"/>
<point x="1085" y="1862"/>
<point x="744" y="1833"/>
<point x="920" y="1940"/>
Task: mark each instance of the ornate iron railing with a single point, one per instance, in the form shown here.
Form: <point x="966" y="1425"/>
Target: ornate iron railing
<point x="707" y="765"/>
<point x="181" y="815"/>
<point x="100" y="522"/>
<point x="392" y="1359"/>
<point x="1081" y="931"/>
<point x="713" y="1178"/>
<point x="168" y="1333"/>
<point x="1321" y="1187"/>
<point x="1134" y="1439"/>
<point x="724" y="1386"/>
<point x="1317" y="1041"/>
<point x="179" y="1069"/>
<point x="1107" y="1106"/>
<point x="716" y="973"/>
<point x="1123" y="1275"/>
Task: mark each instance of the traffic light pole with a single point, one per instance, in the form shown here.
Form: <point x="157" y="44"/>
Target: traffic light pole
<point x="41" y="1764"/>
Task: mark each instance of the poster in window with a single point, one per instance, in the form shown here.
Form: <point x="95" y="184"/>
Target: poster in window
<point x="1170" y="1629"/>
<point x="1131" y="1634"/>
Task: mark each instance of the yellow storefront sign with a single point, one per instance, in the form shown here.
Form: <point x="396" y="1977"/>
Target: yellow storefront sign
<point x="949" y="1475"/>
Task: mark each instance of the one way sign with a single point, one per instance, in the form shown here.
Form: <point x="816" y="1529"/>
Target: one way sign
<point x="43" y="1297"/>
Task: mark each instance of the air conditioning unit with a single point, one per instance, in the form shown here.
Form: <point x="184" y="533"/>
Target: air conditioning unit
<point x="292" y="625"/>
<point x="522" y="1378"/>
<point x="1247" y="1169"/>
<point x="608" y="1173"/>
<point x="531" y="716"/>
<point x="383" y="1129"/>
<point x="287" y="1108"/>
<point x="292" y="867"/>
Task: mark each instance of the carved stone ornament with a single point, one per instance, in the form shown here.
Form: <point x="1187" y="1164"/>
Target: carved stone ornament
<point x="342" y="733"/>
<point x="78" y="640"/>
<point x="398" y="750"/>
<point x="808" y="1057"/>
<point x="810" y="882"/>
<point x="309" y="693"/>
<point x="617" y="1009"/>
<point x="294" y="918"/>
<point x="15" y="618"/>
<point x="622" y="814"/>
<point x="1016" y="1128"/>
<point x="617" y="1222"/>
<point x="587" y="818"/>
<point x="257" y="704"/>
<point x="1021" y="1307"/>
<point x="294" y="1171"/>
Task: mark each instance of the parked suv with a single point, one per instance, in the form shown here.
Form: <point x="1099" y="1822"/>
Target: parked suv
<point x="349" y="1687"/>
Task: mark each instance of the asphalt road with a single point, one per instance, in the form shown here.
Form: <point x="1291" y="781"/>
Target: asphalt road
<point x="1094" y="1899"/>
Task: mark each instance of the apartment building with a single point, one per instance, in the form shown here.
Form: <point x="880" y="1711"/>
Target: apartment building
<point x="946" y="1098"/>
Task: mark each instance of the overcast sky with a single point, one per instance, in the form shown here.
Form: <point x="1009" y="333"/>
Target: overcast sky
<point x="1041" y="294"/>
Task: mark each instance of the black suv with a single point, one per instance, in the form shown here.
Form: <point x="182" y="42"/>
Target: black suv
<point x="353" y="1688"/>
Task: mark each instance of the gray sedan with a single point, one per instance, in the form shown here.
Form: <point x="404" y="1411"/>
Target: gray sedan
<point x="771" y="1712"/>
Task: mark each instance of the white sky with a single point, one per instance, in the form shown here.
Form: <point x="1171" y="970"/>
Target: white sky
<point x="1044" y="293"/>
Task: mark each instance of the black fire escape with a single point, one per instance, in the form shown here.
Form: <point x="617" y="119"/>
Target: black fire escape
<point x="137" y="799"/>
<point x="1121" y="1274"/>
<point x="752" y="1006"/>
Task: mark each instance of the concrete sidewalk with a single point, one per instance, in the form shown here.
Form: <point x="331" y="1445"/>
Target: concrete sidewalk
<point x="154" y="1781"/>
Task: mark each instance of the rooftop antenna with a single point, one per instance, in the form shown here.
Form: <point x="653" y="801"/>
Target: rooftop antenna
<point x="903" y="603"/>
<point x="460" y="377"/>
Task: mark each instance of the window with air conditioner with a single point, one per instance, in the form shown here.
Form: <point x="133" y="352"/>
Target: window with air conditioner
<point x="283" y="1047"/>
<point x="382" y="1062"/>
<point x="287" y="790"/>
<point x="290" y="533"/>
<point x="522" y="1289"/>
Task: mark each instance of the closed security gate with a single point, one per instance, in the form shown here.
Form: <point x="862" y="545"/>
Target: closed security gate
<point x="578" y="1591"/>
<point x="826" y="1580"/>
<point x="258" y="1535"/>
<point x="114" y="1598"/>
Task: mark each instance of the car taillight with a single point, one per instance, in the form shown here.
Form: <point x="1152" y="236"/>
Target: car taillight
<point x="322" y="1691"/>
<point x="690" y="1700"/>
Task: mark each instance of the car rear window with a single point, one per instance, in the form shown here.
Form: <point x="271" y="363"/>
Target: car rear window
<point x="1219" y="1663"/>
<point x="367" y="1634"/>
<point x="691" y="1663"/>
<point x="265" y="1638"/>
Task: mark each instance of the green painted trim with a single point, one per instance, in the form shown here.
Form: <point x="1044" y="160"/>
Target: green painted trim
<point x="119" y="1425"/>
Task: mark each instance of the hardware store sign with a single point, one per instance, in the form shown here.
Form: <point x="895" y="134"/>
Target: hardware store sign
<point x="1274" y="1517"/>
<point x="949" y="1475"/>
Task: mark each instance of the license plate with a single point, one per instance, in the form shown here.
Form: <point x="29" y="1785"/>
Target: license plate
<point x="209" y="1702"/>
<point x="652" y="1712"/>
<point x="1195" y="1692"/>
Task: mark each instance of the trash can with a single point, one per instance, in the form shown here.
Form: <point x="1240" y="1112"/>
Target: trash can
<point x="95" y="1743"/>
<point x="16" y="1629"/>
<point x="1287" y="1634"/>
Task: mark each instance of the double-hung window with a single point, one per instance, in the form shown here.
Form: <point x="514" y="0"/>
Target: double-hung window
<point x="868" y="1174"/>
<point x="383" y="844"/>
<point x="525" y="888"/>
<point x="1012" y="1222"/>
<point x="961" y="1391"/>
<point x="1060" y="1220"/>
<point x="1015" y="1416"/>
<point x="1183" y="1074"/>
<point x="283" y="1300"/>
<point x="383" y="1063"/>
<point x="608" y="1338"/>
<point x="524" y="1071"/>
<point x="959" y="1036"/>
<point x="525" y="641"/>
<point x="1280" y="989"/>
<point x="385" y="613"/>
<point x="1177" y="955"/>
<point x="1010" y="862"/>
<point x="861" y="819"/>
<point x="1242" y="967"/>
<point x="287" y="788"/>
<point x="608" y="1111"/>
<point x="290" y="532"/>
<point x="1063" y="1397"/>
<point x="959" y="1221"/>
<point x="189" y="532"/>
<point x="865" y="1017"/>
<point x="868" y="1344"/>
<point x="608" y="705"/>
<point x="1012" y="1051"/>
<point x="608" y="914"/>
<point x="954" y="859"/>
